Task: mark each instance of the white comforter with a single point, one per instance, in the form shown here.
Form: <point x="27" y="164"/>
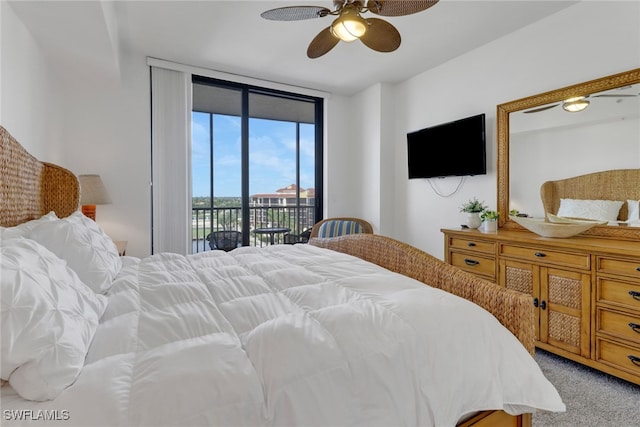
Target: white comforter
<point x="288" y="335"/>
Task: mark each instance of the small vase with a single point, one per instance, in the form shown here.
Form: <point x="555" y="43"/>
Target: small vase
<point x="473" y="219"/>
<point x="490" y="225"/>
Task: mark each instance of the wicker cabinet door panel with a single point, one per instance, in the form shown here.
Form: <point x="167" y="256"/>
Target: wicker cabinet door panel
<point x="519" y="277"/>
<point x="525" y="278"/>
<point x="565" y="318"/>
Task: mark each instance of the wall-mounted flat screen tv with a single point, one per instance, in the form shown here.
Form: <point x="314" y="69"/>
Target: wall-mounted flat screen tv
<point x="450" y="149"/>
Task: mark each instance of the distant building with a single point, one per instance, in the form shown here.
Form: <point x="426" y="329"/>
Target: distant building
<point x="287" y="198"/>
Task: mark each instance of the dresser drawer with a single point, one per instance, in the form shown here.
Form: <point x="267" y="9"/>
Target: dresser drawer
<point x="479" y="246"/>
<point x="619" y="266"/>
<point x="619" y="292"/>
<point x="618" y="324"/>
<point x="619" y="356"/>
<point x="543" y="256"/>
<point x="474" y="264"/>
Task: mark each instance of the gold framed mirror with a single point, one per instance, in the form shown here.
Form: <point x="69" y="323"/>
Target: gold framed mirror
<point x="542" y="102"/>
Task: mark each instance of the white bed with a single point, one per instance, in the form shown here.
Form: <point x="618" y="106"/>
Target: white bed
<point x="287" y="335"/>
<point x="276" y="336"/>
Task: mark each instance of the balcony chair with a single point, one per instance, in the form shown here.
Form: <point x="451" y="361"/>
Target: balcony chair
<point x="292" y="238"/>
<point x="225" y="240"/>
<point x="333" y="227"/>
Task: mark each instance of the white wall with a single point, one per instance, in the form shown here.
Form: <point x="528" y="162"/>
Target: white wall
<point x="364" y="167"/>
<point x="107" y="132"/>
<point x="88" y="122"/>
<point x="369" y="171"/>
<point x="541" y="57"/>
<point x="339" y="185"/>
<point x="99" y="123"/>
<point x="29" y="101"/>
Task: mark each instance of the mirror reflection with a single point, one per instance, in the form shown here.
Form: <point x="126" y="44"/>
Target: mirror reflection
<point x="587" y="144"/>
<point x="579" y="135"/>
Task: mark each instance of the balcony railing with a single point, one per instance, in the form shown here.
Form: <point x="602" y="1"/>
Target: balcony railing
<point x="205" y="220"/>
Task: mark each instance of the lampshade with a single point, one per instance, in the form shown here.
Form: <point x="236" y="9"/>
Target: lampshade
<point x="92" y="190"/>
<point x="349" y="26"/>
<point x="573" y="105"/>
<point x="92" y="193"/>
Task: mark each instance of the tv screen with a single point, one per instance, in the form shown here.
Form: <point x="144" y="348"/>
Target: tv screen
<point x="451" y="149"/>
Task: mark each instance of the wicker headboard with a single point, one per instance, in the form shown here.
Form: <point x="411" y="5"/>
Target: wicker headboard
<point x="619" y="184"/>
<point x="30" y="188"/>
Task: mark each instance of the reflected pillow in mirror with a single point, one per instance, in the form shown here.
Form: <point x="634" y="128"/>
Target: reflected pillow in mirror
<point x="633" y="207"/>
<point x="601" y="210"/>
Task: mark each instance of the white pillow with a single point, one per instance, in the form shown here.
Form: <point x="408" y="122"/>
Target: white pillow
<point x="26" y="227"/>
<point x="48" y="319"/>
<point x="84" y="246"/>
<point x="602" y="210"/>
<point x="633" y="210"/>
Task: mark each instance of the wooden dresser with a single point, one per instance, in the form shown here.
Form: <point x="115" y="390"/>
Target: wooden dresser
<point x="586" y="290"/>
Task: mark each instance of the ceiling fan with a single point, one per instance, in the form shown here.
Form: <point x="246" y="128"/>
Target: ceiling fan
<point x="579" y="103"/>
<point x="349" y="25"/>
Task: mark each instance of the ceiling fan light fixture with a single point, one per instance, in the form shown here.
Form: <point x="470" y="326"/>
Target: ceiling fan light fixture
<point x="574" y="105"/>
<point x="349" y="26"/>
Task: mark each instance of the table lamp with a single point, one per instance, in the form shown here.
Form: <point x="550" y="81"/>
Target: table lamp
<point x="92" y="193"/>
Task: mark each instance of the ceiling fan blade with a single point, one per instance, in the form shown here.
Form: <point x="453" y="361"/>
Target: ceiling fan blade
<point x="398" y="7"/>
<point x="381" y="36"/>
<point x="322" y="43"/>
<point x="295" y="13"/>
<point x="537" y="110"/>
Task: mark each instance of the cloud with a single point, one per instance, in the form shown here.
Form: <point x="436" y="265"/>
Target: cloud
<point x="272" y="154"/>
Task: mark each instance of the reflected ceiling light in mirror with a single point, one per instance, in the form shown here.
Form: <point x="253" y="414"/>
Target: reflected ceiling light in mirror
<point x="574" y="105"/>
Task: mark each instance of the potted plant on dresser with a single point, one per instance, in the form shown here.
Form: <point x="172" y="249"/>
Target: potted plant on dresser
<point x="489" y="220"/>
<point x="473" y="208"/>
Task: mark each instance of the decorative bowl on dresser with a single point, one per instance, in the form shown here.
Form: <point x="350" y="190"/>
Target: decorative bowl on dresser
<point x="546" y="228"/>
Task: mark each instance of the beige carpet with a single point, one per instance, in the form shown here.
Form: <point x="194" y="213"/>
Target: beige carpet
<point x="593" y="399"/>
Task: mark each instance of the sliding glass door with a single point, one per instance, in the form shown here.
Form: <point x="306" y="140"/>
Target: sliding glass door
<point x="256" y="164"/>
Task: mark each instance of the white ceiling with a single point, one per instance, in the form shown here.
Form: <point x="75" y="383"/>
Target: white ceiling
<point x="230" y="36"/>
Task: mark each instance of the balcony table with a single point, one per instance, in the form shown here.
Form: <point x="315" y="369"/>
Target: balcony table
<point x="271" y="231"/>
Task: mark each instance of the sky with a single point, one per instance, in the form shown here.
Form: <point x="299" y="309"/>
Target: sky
<point x="272" y="161"/>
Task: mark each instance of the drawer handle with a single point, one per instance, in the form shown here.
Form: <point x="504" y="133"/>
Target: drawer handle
<point x="634" y="359"/>
<point x="540" y="254"/>
<point x="635" y="295"/>
<point x="471" y="244"/>
<point x="471" y="262"/>
<point x="635" y="327"/>
<point x="638" y="269"/>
